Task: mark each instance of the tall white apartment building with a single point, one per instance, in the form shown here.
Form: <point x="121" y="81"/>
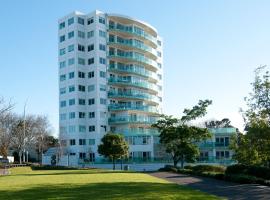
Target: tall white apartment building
<point x="110" y="80"/>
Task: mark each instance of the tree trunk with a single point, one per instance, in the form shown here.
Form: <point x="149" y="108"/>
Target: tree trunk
<point x="182" y="161"/>
<point x="175" y="163"/>
<point x="113" y="164"/>
<point x="20" y="156"/>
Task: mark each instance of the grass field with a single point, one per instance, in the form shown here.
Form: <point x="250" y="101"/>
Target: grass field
<point x="23" y="183"/>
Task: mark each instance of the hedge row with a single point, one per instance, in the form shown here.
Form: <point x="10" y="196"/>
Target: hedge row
<point x="49" y="167"/>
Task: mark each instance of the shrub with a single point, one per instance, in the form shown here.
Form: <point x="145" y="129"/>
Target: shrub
<point x="49" y="167"/>
<point x="208" y="168"/>
<point x="236" y="169"/>
<point x="244" y="179"/>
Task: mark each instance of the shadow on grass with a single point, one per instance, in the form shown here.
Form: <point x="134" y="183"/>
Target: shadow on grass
<point x="118" y="190"/>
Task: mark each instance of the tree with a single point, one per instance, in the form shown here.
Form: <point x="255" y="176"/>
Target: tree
<point x="224" y="123"/>
<point x="179" y="138"/>
<point x="113" y="146"/>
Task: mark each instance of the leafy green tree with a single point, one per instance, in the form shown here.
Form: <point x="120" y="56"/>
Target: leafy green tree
<point x="113" y="146"/>
<point x="179" y="138"/>
<point x="224" y="123"/>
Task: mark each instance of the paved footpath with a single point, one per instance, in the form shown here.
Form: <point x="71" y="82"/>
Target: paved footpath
<point x="219" y="188"/>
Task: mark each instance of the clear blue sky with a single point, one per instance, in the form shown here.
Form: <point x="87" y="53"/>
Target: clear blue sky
<point x="210" y="50"/>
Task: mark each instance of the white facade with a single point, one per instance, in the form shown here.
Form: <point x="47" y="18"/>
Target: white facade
<point x="110" y="79"/>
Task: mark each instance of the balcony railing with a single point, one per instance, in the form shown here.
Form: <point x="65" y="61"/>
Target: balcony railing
<point x="133" y="95"/>
<point x="131" y="119"/>
<point x="213" y="144"/>
<point x="117" y="107"/>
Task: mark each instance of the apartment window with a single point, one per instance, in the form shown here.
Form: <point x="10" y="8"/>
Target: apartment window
<point x="159" y="87"/>
<point x="102" y="114"/>
<point x="62" y="90"/>
<point x="63" y="129"/>
<point x="92" y="157"/>
<point x="72" y="154"/>
<point x="160" y="99"/>
<point x="63" y="116"/>
<point x="102" y="74"/>
<point x="81" y="101"/>
<point x="159" y="54"/>
<point x="82" y="115"/>
<point x="70" y="21"/>
<point x="160" y="76"/>
<point x="91" y="61"/>
<point x="91" y="101"/>
<point x="91" y="88"/>
<point x="102" y="33"/>
<point x="159" y="42"/>
<point x="90" y="34"/>
<point x="91" y="141"/>
<point x="102" y="87"/>
<point x="91" y="74"/>
<point x="72" y="129"/>
<point x="62" y="64"/>
<point x="81" y="34"/>
<point x="82" y="155"/>
<point x="72" y="142"/>
<point x="71" y="34"/>
<point x="101" y="20"/>
<point x="71" y="48"/>
<point x="62" y="77"/>
<point x="81" y="88"/>
<point x="82" y="129"/>
<point x="62" y="25"/>
<point x="90" y="21"/>
<point x="81" y="47"/>
<point x="62" y="51"/>
<point x="80" y="21"/>
<point x="102" y="101"/>
<point x="71" y="61"/>
<point x="62" y="38"/>
<point x="91" y="115"/>
<point x="71" y="75"/>
<point x="81" y="61"/>
<point x="71" y="102"/>
<point x="92" y="128"/>
<point x="72" y="115"/>
<point x="71" y="88"/>
<point x="81" y="74"/>
<point x="159" y="65"/>
<point x="82" y="142"/>
<point x="63" y="104"/>
<point x="102" y="60"/>
<point x="91" y="47"/>
<point x="102" y="47"/>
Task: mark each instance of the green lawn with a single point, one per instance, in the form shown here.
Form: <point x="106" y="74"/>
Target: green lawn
<point x="23" y="183"/>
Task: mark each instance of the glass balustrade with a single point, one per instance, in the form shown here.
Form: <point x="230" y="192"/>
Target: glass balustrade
<point x="133" y="95"/>
<point x="116" y="107"/>
<point x="132" y="119"/>
<point x="137" y="132"/>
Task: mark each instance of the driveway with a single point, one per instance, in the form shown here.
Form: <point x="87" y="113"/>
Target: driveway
<point x="217" y="187"/>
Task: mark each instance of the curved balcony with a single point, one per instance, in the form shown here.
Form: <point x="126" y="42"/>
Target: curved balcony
<point x="132" y="120"/>
<point x="117" y="107"/>
<point x="213" y="145"/>
<point x="138" y="132"/>
<point x="133" y="69"/>
<point x="134" y="83"/>
<point x="134" y="95"/>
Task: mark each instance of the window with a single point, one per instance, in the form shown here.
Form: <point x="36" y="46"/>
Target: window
<point x="160" y="76"/>
<point x="102" y="74"/>
<point x="159" y="65"/>
<point x="81" y="101"/>
<point x="91" y="128"/>
<point x="81" y="61"/>
<point x="62" y="38"/>
<point x="91" y="101"/>
<point x="63" y="116"/>
<point x="71" y="48"/>
<point x="82" y="155"/>
<point x="92" y="157"/>
<point x="81" y="74"/>
<point x="102" y="101"/>
<point x="90" y="21"/>
<point x="62" y="51"/>
<point x="80" y="21"/>
<point x="81" y="47"/>
<point x="71" y="88"/>
<point x="81" y="34"/>
<point x="91" y="74"/>
<point x="101" y="20"/>
<point x="102" y="47"/>
<point x="72" y="115"/>
<point x="91" y="47"/>
<point x="63" y="104"/>
<point x="70" y="21"/>
<point x="62" y="77"/>
<point x="82" y="129"/>
<point x="71" y="34"/>
<point x="102" y="114"/>
<point x="81" y="88"/>
<point x="90" y="34"/>
<point x="102" y="33"/>
<point x="91" y="88"/>
<point x="72" y="154"/>
<point x="102" y="87"/>
<point x="62" y="25"/>
<point x="91" y="141"/>
<point x="102" y="60"/>
<point x="62" y="90"/>
<point x="91" y="115"/>
<point x="71" y="75"/>
<point x="71" y="102"/>
<point x="159" y="54"/>
<point x="72" y="142"/>
<point x="71" y="61"/>
<point x="91" y="61"/>
<point x="82" y="115"/>
<point x="82" y="142"/>
<point x="62" y="64"/>
<point x="159" y="87"/>
<point x="159" y="42"/>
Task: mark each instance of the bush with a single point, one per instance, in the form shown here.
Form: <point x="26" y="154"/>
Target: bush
<point x="49" y="167"/>
<point x="208" y="168"/>
<point x="244" y="179"/>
